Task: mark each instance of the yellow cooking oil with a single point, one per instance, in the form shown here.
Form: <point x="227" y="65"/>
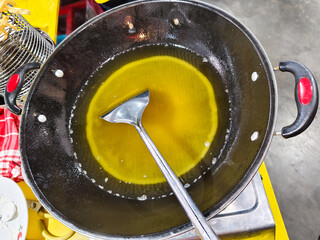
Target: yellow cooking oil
<point x="181" y="119"/>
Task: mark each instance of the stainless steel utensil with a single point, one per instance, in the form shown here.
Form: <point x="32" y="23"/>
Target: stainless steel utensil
<point x="130" y="112"/>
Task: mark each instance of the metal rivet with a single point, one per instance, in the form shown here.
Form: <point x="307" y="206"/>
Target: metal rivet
<point x="176" y="21"/>
<point x="254" y="76"/>
<point x="42" y="118"/>
<point x="277" y="133"/>
<point x="254" y="136"/>
<point x="130" y="25"/>
<point x="58" y="73"/>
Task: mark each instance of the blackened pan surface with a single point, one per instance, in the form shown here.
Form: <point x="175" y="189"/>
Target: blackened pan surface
<point x="48" y="154"/>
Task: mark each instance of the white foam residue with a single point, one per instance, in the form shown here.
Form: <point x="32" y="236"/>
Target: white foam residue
<point x="142" y="198"/>
<point x="214" y="161"/>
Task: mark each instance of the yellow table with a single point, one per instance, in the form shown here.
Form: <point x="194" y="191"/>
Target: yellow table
<point x="44" y="14"/>
<point x="281" y="232"/>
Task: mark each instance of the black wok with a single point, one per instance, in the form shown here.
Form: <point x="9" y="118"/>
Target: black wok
<point x="248" y="108"/>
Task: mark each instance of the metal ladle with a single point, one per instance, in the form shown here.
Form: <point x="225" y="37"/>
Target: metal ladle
<point x="130" y="112"/>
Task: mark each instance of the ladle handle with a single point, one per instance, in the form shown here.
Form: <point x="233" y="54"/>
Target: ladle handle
<point x="194" y="214"/>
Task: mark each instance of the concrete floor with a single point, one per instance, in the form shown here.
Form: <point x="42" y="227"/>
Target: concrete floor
<point x="289" y="30"/>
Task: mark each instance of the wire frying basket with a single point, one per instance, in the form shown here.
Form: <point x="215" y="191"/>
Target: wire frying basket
<point x="19" y="45"/>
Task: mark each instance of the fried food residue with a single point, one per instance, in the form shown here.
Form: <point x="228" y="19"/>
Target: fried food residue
<point x="7" y="7"/>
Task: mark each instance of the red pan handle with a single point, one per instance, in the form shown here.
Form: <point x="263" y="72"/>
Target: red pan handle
<point x="14" y="86"/>
<point x="306" y="96"/>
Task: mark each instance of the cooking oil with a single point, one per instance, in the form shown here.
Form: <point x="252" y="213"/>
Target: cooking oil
<point x="186" y="119"/>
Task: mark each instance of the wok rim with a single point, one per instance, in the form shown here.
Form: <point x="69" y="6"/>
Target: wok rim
<point x="270" y="128"/>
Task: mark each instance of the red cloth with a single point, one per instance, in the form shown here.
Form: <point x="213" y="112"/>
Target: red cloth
<point x="10" y="162"/>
